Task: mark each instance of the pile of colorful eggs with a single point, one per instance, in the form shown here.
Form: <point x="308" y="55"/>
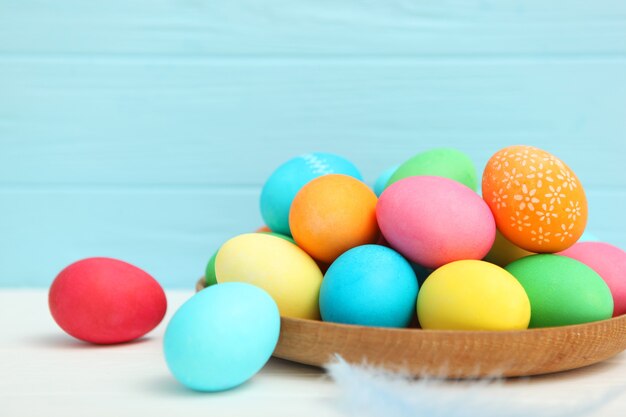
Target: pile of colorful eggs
<point x="424" y="247"/>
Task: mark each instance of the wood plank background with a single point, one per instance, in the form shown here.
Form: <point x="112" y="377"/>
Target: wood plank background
<point x="145" y="129"/>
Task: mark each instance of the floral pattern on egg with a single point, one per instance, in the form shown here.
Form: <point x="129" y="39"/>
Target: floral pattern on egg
<point x="536" y="199"/>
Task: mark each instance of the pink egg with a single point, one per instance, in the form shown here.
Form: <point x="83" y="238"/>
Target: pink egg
<point x="609" y="262"/>
<point x="434" y="221"/>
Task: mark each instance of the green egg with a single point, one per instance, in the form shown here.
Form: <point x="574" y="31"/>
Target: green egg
<point x="562" y="291"/>
<point x="440" y="162"/>
<point x="209" y="274"/>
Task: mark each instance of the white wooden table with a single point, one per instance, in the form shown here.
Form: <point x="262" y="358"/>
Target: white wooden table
<point x="45" y="372"/>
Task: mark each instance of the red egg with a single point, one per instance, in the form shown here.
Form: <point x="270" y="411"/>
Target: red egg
<point x="106" y="301"/>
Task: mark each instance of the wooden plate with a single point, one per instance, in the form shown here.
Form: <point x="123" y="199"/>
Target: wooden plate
<point x="453" y="354"/>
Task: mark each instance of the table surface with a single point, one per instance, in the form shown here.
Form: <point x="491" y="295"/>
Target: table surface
<point x="45" y="372"/>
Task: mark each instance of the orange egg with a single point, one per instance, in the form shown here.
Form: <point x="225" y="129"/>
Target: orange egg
<point x="263" y="229"/>
<point x="538" y="202"/>
<point x="332" y="214"/>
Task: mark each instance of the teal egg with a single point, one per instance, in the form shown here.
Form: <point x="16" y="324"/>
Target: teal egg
<point x="562" y="291"/>
<point x="282" y="186"/>
<point x="222" y="336"/>
<point x="383" y="178"/>
<point x="369" y="285"/>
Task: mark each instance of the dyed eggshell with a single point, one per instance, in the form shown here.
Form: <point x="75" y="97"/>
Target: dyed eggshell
<point x="282" y="186"/>
<point x="369" y="285"/>
<point x="332" y="214"/>
<point x="281" y="236"/>
<point x="609" y="262"/>
<point x="106" y="301"/>
<point x="383" y="179"/>
<point x="221" y="337"/>
<point x="562" y="291"/>
<point x="538" y="202"/>
<point x="503" y="252"/>
<point x="441" y="162"/>
<point x="279" y="267"/>
<point x="472" y="295"/>
<point x="434" y="221"/>
<point x="209" y="273"/>
<point x="210" y="277"/>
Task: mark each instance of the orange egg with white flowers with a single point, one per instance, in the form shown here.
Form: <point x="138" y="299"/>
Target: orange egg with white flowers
<point x="331" y="214"/>
<point x="538" y="202"/>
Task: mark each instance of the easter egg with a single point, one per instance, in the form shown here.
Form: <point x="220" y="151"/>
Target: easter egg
<point x="106" y="301"/>
<point x="221" y="337"/>
<point x="209" y="273"/>
<point x="538" y="202"/>
<point x="562" y="291"/>
<point x="332" y="214"/>
<point x="472" y="295"/>
<point x="279" y="267"/>
<point x="285" y="182"/>
<point x="369" y="285"/>
<point x="383" y="179"/>
<point x="280" y="236"/>
<point x="434" y="221"/>
<point x="440" y="162"/>
<point x="503" y="252"/>
<point x="607" y="261"/>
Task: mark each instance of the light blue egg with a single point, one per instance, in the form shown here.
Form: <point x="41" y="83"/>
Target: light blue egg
<point x="222" y="336"/>
<point x="369" y="285"/>
<point x="383" y="179"/>
<point x="588" y="237"/>
<point x="284" y="183"/>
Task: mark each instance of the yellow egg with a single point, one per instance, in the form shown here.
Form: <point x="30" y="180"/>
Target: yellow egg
<point x="472" y="295"/>
<point x="503" y="251"/>
<point x="279" y="267"/>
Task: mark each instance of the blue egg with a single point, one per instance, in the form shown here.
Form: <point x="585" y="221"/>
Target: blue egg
<point x="369" y="285"/>
<point x="383" y="179"/>
<point x="284" y="183"/>
<point x="222" y="336"/>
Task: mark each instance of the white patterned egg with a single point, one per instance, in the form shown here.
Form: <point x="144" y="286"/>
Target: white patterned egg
<point x="537" y="201"/>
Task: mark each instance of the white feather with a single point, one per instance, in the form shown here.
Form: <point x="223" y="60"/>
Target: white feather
<point x="371" y="391"/>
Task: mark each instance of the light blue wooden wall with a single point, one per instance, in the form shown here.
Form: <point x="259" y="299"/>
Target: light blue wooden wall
<point x="144" y="129"/>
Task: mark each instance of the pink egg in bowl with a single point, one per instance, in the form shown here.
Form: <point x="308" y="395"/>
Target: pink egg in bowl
<point x="434" y="221"/>
<point x="609" y="262"/>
